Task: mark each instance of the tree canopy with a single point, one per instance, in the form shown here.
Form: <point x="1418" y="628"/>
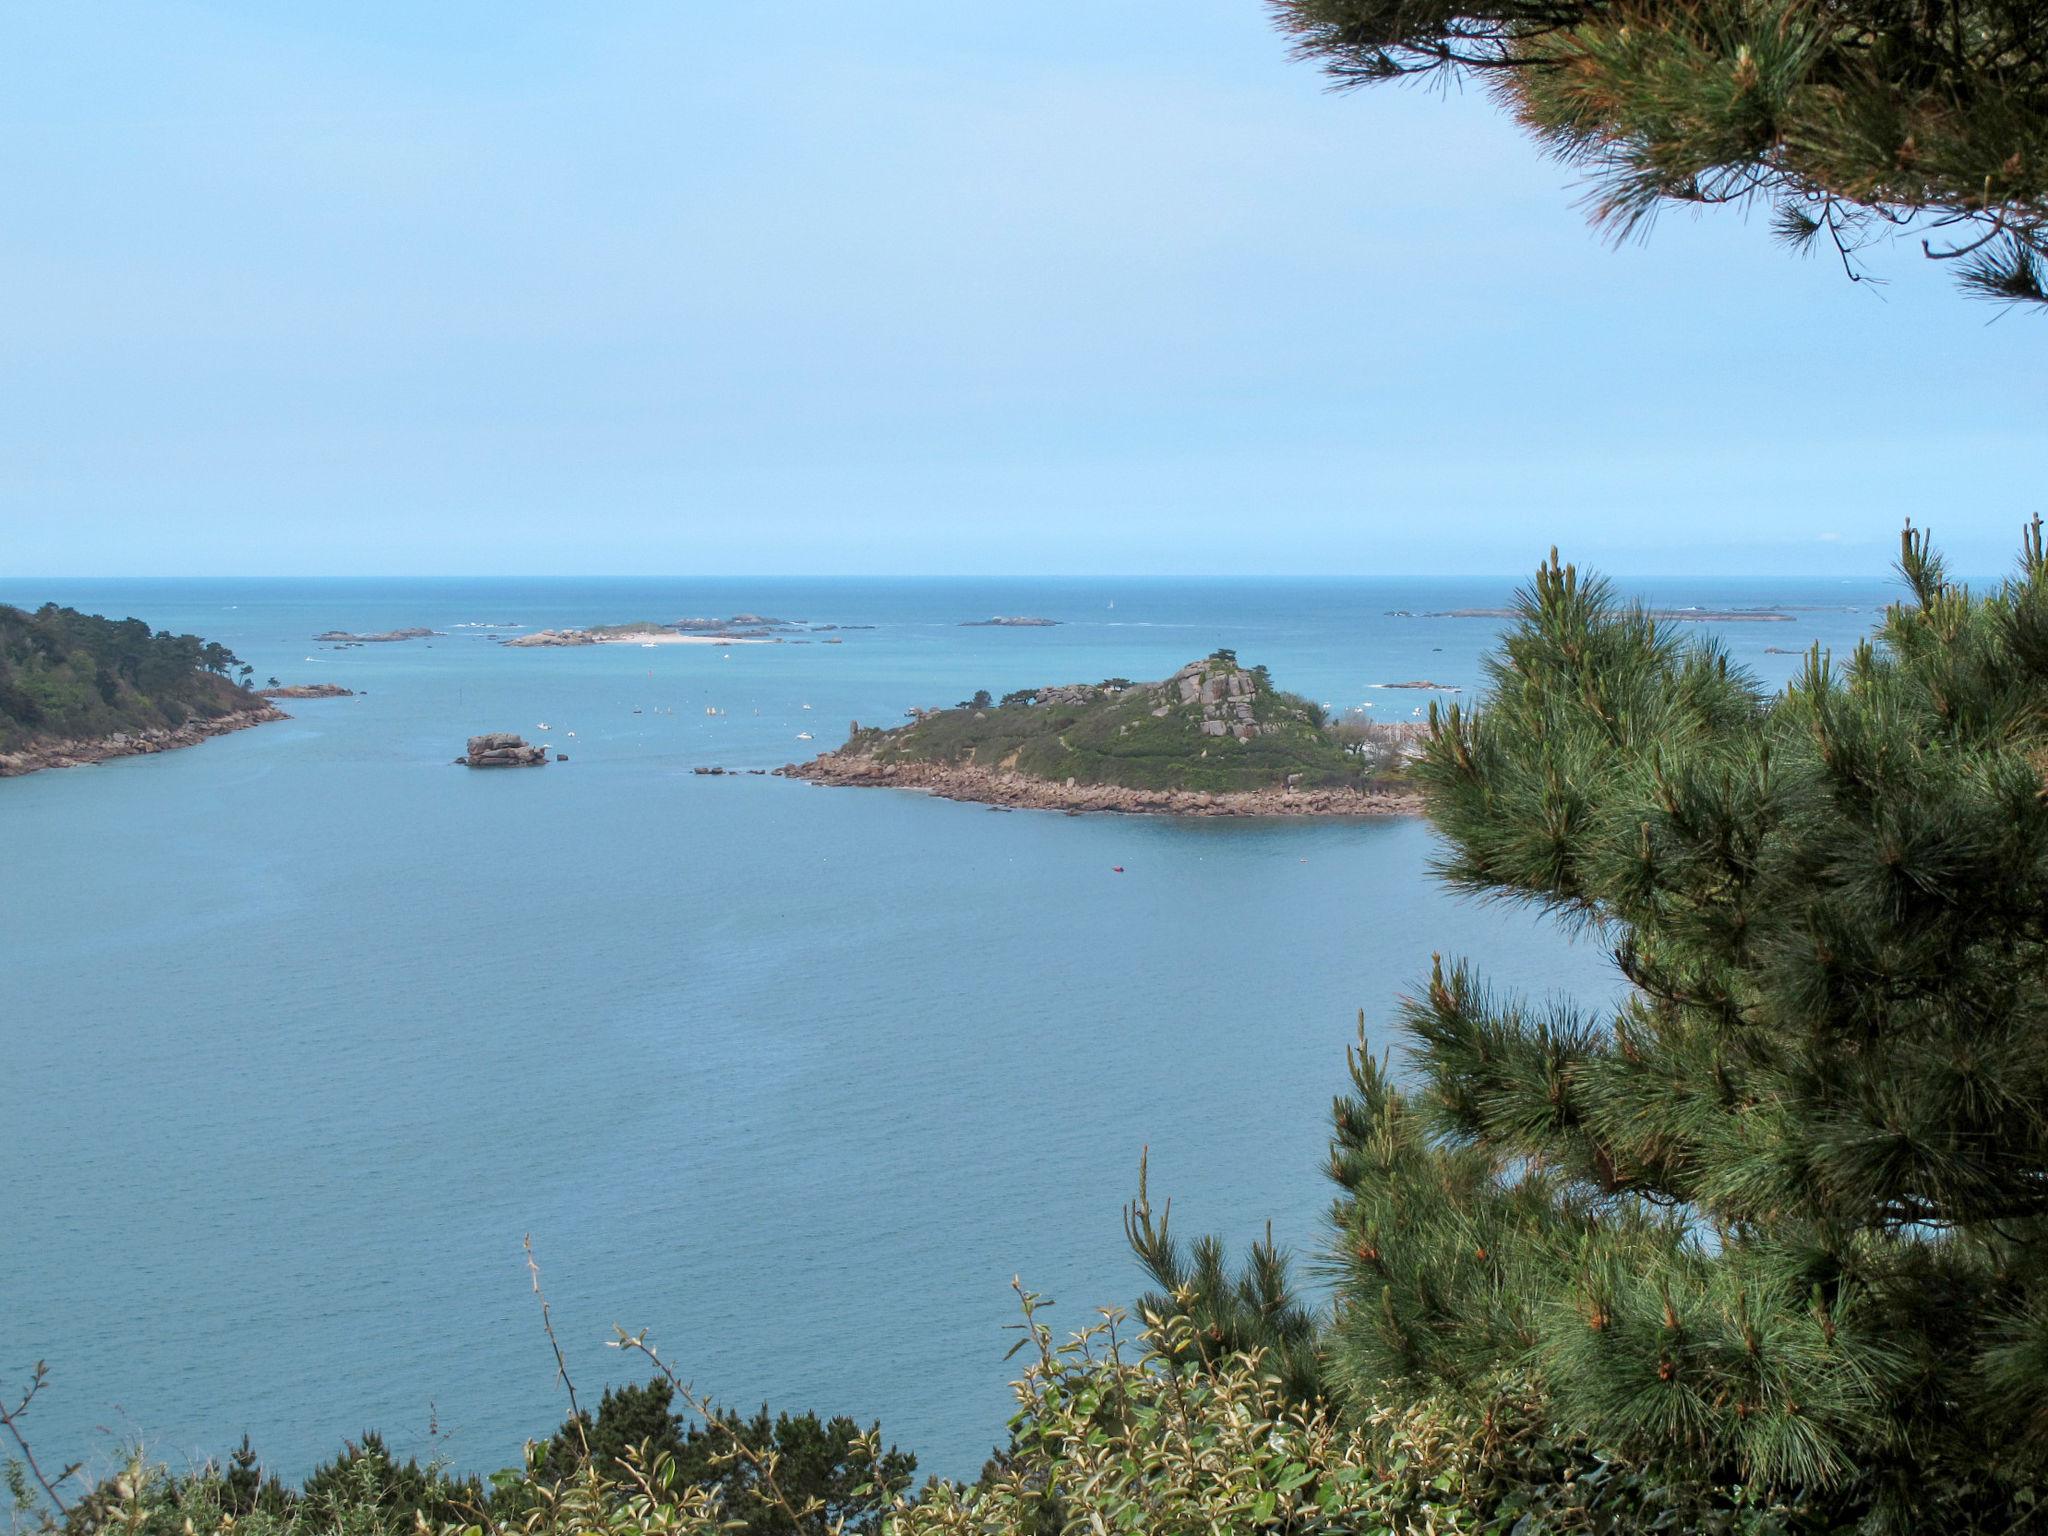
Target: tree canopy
<point x="1850" y="119"/>
<point x="71" y="675"/>
<point x="1776" y="1225"/>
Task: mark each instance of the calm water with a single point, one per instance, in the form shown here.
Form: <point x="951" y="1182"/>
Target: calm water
<point x="304" y="1028"/>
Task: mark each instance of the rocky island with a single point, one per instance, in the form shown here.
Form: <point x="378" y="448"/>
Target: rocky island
<point x="383" y="637"/>
<point x="999" y="622"/>
<point x="79" y="688"/>
<point x="1661" y="615"/>
<point x="741" y="628"/>
<point x="1214" y="739"/>
<point x="307" y="691"/>
<point x="502" y="749"/>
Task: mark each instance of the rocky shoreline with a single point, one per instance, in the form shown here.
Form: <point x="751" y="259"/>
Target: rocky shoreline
<point x="38" y="755"/>
<point x="952" y="781"/>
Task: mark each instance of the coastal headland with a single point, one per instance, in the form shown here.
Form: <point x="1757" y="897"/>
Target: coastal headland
<point x="1214" y="739"/>
<point x="81" y="688"/>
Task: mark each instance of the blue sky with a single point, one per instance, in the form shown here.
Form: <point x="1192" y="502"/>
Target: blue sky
<point x="1079" y="286"/>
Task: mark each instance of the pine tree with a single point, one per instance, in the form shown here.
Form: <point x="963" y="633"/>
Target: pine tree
<point x="1782" y="1219"/>
<point x="1851" y="118"/>
<point x="1775" y="1228"/>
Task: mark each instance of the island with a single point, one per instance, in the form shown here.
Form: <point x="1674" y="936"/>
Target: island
<point x="305" y="691"/>
<point x="1662" y="615"/>
<point x="81" y="688"/>
<point x="635" y="634"/>
<point x="502" y="749"/>
<point x="1214" y="739"/>
<point x="1000" y="622"/>
<point x="383" y="637"/>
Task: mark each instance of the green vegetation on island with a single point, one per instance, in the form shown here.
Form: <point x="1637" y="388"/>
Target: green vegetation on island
<point x="67" y="676"/>
<point x="1213" y="726"/>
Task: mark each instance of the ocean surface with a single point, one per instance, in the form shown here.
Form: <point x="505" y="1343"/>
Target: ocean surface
<point x="302" y="1030"/>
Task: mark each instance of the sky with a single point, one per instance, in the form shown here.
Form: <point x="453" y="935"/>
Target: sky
<point x="917" y="287"/>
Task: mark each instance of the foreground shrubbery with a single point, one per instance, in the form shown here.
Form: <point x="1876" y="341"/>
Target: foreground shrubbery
<point x="1122" y="1427"/>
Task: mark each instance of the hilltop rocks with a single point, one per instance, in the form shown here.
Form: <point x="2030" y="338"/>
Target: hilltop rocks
<point x="1069" y="693"/>
<point x="502" y="749"/>
<point x="1226" y="693"/>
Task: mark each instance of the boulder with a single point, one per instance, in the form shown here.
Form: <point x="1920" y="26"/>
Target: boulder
<point x="503" y="749"/>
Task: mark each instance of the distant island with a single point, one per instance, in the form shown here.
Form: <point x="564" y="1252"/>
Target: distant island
<point x="1664" y="615"/>
<point x="383" y="637"/>
<point x="636" y="634"/>
<point x="1214" y="739"/>
<point x="305" y="691"/>
<point x="999" y="622"/>
<point x="741" y="628"/>
<point x="79" y="688"/>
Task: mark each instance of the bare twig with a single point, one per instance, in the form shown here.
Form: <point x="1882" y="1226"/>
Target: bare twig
<point x="11" y="1417"/>
<point x="561" y="1365"/>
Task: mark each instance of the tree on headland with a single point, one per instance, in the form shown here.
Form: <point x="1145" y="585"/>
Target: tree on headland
<point x="1777" y="1222"/>
<point x="1850" y="119"/>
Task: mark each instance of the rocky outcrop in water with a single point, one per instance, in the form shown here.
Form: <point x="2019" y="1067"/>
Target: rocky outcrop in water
<point x="502" y="749"/>
<point x="307" y="691"/>
<point x="384" y="637"/>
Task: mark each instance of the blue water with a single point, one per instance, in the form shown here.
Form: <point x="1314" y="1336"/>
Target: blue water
<point x="304" y="1028"/>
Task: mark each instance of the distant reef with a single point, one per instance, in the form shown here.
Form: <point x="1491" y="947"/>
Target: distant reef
<point x="79" y="688"/>
<point x="1000" y="622"/>
<point x="1662" y="615"/>
<point x="740" y="628"/>
<point x="1214" y="739"/>
<point x="307" y="691"/>
<point x="384" y="637"/>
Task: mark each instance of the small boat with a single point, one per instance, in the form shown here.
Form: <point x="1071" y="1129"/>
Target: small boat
<point x="646" y="645"/>
<point x="1116" y="869"/>
<point x="803" y="706"/>
<point x="543" y="726"/>
<point x="803" y="735"/>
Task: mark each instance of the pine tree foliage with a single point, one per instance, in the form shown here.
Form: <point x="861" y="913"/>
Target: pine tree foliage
<point x="1782" y="1219"/>
<point x="1849" y="118"/>
<point x="1253" y="1312"/>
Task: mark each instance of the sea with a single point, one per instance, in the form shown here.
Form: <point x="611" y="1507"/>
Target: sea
<point x="305" y="1032"/>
